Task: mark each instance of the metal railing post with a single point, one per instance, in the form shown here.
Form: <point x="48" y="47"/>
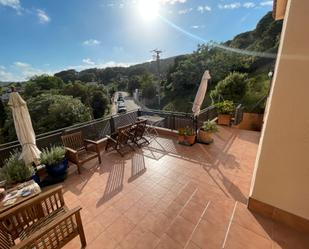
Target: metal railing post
<point x="173" y="122"/>
<point x="112" y="124"/>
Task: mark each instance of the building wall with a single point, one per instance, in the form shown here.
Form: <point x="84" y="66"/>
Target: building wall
<point x="281" y="176"/>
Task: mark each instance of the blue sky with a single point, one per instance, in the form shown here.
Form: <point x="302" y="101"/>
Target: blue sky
<point x="48" y="36"/>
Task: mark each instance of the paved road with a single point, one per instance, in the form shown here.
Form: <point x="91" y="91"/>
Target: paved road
<point x="129" y="102"/>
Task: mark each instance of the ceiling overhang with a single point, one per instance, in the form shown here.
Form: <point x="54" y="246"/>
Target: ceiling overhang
<point x="279" y="8"/>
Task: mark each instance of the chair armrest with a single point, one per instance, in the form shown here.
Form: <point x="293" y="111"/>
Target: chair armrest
<point x="71" y="154"/>
<point x="109" y="137"/>
<point x="88" y="141"/>
<point x="41" y="232"/>
<point x="70" y="150"/>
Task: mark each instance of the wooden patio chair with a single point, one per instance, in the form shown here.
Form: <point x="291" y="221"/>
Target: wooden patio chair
<point x="137" y="133"/>
<point x="80" y="150"/>
<point x="119" y="140"/>
<point x="41" y="222"/>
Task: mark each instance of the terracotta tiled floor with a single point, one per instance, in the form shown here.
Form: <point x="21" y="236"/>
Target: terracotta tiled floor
<point x="172" y="196"/>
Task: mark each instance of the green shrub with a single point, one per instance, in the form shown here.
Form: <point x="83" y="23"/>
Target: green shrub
<point x="15" y="170"/>
<point x="52" y="156"/>
<point x="225" y="107"/>
<point x="233" y="88"/>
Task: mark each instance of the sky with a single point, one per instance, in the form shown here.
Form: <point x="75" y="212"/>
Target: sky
<point x="48" y="36"/>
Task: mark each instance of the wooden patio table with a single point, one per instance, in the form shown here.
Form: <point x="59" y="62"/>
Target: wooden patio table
<point x="33" y="187"/>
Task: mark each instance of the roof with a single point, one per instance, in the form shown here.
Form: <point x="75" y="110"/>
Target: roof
<point x="279" y="8"/>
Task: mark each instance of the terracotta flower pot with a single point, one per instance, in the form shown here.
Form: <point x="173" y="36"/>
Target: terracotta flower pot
<point x="181" y="138"/>
<point x="190" y="139"/>
<point x="205" y="137"/>
<point x="224" y="119"/>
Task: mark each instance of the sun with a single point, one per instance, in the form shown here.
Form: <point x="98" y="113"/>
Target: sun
<point x="148" y="9"/>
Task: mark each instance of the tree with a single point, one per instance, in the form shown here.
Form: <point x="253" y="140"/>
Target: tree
<point x="68" y="75"/>
<point x="50" y="112"/>
<point x="99" y="104"/>
<point x="42" y="84"/>
<point x="233" y="88"/>
<point x="147" y="85"/>
<point x="79" y="90"/>
<point x="3" y="114"/>
<point x="134" y="83"/>
<point x="87" y="77"/>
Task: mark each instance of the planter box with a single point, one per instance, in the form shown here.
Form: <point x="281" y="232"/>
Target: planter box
<point x="251" y="121"/>
<point x="224" y="119"/>
<point x="205" y="137"/>
<point x="186" y="140"/>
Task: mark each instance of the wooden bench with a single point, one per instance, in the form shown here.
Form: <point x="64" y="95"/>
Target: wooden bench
<point x="42" y="222"/>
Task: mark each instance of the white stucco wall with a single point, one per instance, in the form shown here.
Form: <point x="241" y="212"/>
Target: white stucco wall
<point x="281" y="176"/>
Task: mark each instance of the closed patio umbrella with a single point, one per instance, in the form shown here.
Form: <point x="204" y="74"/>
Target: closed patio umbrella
<point x="200" y="95"/>
<point x="24" y="130"/>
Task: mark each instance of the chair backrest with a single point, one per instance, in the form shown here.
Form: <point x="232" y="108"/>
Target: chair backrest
<point x="123" y="134"/>
<point x="74" y="141"/>
<point x="18" y="218"/>
<point x="140" y="127"/>
<point x="6" y="241"/>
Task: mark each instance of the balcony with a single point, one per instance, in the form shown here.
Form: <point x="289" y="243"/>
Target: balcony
<point x="166" y="195"/>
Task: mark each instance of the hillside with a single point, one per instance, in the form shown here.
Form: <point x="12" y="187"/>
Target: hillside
<point x="184" y="77"/>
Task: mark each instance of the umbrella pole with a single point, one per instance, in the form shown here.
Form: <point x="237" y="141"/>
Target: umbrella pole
<point x="195" y="121"/>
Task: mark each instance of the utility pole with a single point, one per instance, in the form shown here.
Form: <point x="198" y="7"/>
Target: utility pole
<point x="156" y="54"/>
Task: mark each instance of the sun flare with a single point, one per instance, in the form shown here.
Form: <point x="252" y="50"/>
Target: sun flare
<point x="148" y="9"/>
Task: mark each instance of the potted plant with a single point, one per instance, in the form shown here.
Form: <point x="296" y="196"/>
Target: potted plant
<point x="15" y="170"/>
<point x="55" y="161"/>
<point x="225" y="110"/>
<point x="190" y="136"/>
<point x="181" y="135"/>
<point x="205" y="132"/>
<point x="186" y="136"/>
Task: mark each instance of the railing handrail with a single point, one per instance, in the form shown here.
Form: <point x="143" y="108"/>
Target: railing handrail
<point x="54" y="132"/>
<point x="45" y="135"/>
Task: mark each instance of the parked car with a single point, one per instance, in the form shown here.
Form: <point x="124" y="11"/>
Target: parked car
<point x="121" y="107"/>
<point x="120" y="99"/>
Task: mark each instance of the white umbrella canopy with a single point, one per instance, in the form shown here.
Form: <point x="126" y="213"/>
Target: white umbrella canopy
<point x="24" y="130"/>
<point x="200" y="95"/>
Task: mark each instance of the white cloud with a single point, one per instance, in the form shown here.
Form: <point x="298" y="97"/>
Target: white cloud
<point x="267" y="3"/>
<point x="21" y="64"/>
<point x="203" y="9"/>
<point x="184" y="11"/>
<point x="100" y="65"/>
<point x="235" y="5"/>
<point x="5" y="75"/>
<point x="172" y="1"/>
<point x="15" y="4"/>
<point x="249" y="5"/>
<point x="198" y="26"/>
<point x="43" y="17"/>
<point x="26" y="71"/>
<point x="91" y="42"/>
<point x="20" y="71"/>
<point x="88" y="61"/>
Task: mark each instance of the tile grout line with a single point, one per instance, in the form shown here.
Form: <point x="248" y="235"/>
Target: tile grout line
<point x="229" y="226"/>
<point x="198" y="222"/>
<point x="178" y="214"/>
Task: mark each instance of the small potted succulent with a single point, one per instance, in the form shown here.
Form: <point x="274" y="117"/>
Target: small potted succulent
<point x="190" y="136"/>
<point x="225" y="110"/>
<point x="186" y="136"/>
<point x="205" y="132"/>
<point x="15" y="170"/>
<point x="55" y="161"/>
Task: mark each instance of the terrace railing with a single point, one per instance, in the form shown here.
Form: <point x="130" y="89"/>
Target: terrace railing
<point x="99" y="128"/>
